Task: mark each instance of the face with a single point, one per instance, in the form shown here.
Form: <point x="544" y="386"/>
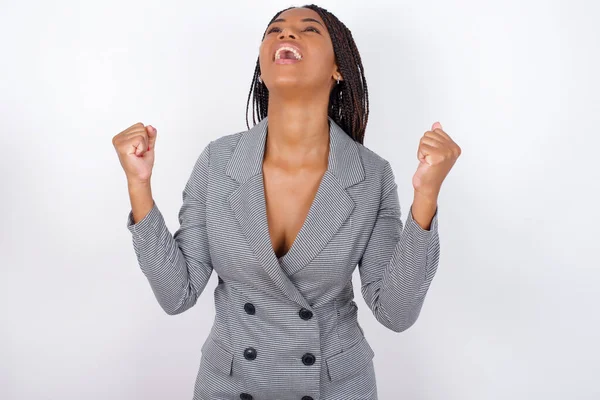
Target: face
<point x="297" y="53"/>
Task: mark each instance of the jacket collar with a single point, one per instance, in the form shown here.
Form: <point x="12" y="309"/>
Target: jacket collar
<point x="344" y="160"/>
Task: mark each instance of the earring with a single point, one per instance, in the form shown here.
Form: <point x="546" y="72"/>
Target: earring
<point x="338" y="80"/>
<point x="259" y="80"/>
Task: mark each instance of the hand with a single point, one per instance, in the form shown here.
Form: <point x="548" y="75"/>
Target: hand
<point x="135" y="148"/>
<point x="437" y="154"/>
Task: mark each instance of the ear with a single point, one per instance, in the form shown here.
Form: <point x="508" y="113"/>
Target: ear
<point x="337" y="74"/>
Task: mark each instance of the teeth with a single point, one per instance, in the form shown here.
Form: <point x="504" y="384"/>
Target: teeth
<point x="279" y="50"/>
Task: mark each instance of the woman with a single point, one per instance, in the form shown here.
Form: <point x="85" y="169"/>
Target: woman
<point x="284" y="215"/>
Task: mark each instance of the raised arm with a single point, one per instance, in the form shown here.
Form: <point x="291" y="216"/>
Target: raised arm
<point x="399" y="262"/>
<point x="177" y="266"/>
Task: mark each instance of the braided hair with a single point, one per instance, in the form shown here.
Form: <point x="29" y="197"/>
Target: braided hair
<point x="348" y="100"/>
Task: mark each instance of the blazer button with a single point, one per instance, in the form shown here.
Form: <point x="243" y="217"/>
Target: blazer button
<point x="249" y="307"/>
<point x="245" y="396"/>
<point x="307" y="398"/>
<point x="220" y="280"/>
<point x="308" y="359"/>
<point x="250" y="353"/>
<point x="305" y="314"/>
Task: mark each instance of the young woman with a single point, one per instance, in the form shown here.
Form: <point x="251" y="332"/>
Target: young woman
<point x="283" y="213"/>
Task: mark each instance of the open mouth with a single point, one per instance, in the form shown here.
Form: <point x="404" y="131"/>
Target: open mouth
<point x="287" y="54"/>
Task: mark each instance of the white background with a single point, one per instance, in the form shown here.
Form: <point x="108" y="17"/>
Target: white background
<point x="513" y="309"/>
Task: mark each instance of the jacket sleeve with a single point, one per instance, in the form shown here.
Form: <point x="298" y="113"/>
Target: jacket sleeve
<point x="398" y="263"/>
<point x="177" y="266"/>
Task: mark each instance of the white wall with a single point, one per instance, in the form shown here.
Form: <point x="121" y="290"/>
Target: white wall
<point x="512" y="312"/>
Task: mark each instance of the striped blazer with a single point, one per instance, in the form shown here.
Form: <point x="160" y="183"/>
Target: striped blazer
<point x="286" y="328"/>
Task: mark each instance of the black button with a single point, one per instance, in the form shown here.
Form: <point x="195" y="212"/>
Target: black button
<point x="249" y="307"/>
<point x="305" y="314"/>
<point x="308" y="359"/>
<point x="220" y="280"/>
<point x="307" y="398"/>
<point x="245" y="396"/>
<point x="250" y="353"/>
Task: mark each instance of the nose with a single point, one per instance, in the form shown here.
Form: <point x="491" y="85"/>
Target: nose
<point x="287" y="32"/>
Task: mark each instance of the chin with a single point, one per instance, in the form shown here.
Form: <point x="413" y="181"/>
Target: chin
<point x="286" y="82"/>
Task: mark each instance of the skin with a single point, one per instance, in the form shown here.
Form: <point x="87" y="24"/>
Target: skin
<point x="437" y="153"/>
<point x="297" y="142"/>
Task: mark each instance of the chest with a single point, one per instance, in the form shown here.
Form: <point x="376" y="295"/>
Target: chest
<point x="288" y="198"/>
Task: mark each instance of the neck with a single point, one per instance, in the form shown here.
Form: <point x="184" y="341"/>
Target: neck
<point x="298" y="131"/>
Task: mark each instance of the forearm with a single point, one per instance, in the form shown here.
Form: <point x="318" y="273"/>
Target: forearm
<point x="178" y="266"/>
<point x="413" y="264"/>
<point x="423" y="208"/>
<point x="140" y="197"/>
<point x="407" y="276"/>
<point x="163" y="263"/>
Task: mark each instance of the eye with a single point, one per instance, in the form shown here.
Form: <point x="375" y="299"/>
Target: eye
<point x="312" y="28"/>
<point x="277" y="29"/>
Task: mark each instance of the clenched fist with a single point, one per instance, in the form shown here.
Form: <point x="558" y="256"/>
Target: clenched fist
<point x="135" y="148"/>
<point x="437" y="154"/>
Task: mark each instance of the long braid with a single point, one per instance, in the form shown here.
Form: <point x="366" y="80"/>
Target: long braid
<point x="348" y="100"/>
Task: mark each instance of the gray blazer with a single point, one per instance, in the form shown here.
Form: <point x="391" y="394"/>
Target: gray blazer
<point x="286" y="328"/>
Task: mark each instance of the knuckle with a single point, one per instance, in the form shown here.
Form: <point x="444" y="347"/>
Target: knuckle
<point x="455" y="150"/>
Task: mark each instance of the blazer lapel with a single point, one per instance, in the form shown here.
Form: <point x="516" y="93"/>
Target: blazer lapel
<point x="332" y="204"/>
<point x="330" y="208"/>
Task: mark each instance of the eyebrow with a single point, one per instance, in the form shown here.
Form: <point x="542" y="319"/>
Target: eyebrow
<point x="304" y="20"/>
